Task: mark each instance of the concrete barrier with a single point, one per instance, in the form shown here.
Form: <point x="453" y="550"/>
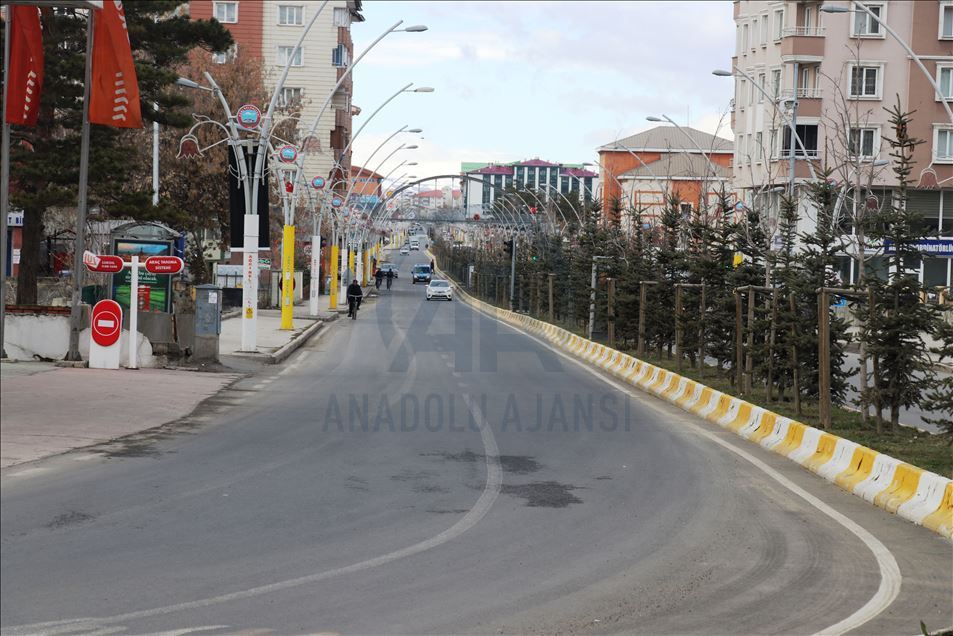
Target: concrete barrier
<point x="919" y="496"/>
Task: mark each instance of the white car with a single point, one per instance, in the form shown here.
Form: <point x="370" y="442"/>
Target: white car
<point x="405" y="250"/>
<point x="439" y="289"/>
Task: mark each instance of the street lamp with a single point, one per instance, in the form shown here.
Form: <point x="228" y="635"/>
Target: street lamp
<point x="664" y="118"/>
<point x="830" y="8"/>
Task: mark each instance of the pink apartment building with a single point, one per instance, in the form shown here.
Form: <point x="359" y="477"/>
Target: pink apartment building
<point x="843" y="69"/>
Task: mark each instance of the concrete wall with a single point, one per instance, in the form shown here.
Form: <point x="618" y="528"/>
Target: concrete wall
<point x="28" y="336"/>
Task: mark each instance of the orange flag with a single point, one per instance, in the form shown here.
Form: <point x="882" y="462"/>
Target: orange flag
<point x="114" y="93"/>
<point x="26" y="65"/>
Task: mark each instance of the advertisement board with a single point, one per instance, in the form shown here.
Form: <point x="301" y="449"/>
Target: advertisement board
<point x="155" y="290"/>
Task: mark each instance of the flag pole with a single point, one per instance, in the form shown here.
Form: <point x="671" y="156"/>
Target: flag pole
<point x="5" y="180"/>
<point x="76" y="308"/>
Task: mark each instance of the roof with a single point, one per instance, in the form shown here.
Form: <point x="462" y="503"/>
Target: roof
<point x="358" y="171"/>
<point x="679" y="166"/>
<point x="577" y="172"/>
<point x="535" y="162"/>
<point x="666" y="138"/>
<point x="491" y="169"/>
<point x="429" y="193"/>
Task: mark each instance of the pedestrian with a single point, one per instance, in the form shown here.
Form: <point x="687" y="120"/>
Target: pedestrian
<point x="432" y="266"/>
<point x="378" y="277"/>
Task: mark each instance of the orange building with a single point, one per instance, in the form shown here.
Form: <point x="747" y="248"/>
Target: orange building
<point x="641" y="170"/>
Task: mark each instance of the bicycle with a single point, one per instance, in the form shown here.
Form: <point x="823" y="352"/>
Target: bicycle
<point x="354" y="302"/>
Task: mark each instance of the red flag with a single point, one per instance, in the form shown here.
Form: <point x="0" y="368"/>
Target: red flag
<point x="26" y="65"/>
<point x="114" y="93"/>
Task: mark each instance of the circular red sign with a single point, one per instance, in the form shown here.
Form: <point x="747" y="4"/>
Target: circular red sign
<point x="164" y="264"/>
<point x="108" y="263"/>
<point x="106" y="322"/>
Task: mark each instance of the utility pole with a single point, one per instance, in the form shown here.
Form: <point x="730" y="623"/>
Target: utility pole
<point x="611" y="312"/>
<point x="513" y="271"/>
<point x="592" y="299"/>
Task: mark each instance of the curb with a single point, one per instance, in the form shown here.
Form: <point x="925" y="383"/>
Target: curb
<point x="917" y="495"/>
<point x="295" y="343"/>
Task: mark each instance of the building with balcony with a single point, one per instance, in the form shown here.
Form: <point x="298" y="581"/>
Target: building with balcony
<point x="270" y="31"/>
<point x="835" y="73"/>
<point x="641" y="170"/>
<point x="572" y="181"/>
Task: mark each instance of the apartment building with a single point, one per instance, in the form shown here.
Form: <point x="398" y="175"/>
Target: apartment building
<point x="365" y="187"/>
<point x="270" y="30"/>
<point x="835" y="73"/>
<point x="572" y="181"/>
<point x="639" y="171"/>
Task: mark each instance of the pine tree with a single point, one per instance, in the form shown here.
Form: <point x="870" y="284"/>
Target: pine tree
<point x="44" y="170"/>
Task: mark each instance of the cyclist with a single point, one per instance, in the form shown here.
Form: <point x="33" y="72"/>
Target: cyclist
<point x="378" y="277"/>
<point x="354" y="296"/>
<point x="390" y="278"/>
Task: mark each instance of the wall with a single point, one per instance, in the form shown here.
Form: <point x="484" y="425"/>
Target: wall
<point x="246" y="32"/>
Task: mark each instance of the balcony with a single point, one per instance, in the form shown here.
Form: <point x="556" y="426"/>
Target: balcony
<point x="809" y="100"/>
<point x="802" y="44"/>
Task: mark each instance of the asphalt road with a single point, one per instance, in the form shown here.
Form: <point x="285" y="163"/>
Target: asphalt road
<point x="424" y="469"/>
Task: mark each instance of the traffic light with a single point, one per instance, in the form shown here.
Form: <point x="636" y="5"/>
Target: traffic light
<point x="508" y="247"/>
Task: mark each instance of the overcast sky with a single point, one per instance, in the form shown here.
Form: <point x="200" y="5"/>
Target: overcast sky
<point x="554" y="80"/>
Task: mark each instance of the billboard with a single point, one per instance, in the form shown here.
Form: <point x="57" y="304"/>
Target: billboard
<point x="155" y="290"/>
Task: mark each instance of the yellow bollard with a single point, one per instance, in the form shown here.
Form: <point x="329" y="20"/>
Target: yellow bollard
<point x="287" y="276"/>
<point x="335" y="252"/>
<point x="367" y="264"/>
<point x="350" y="265"/>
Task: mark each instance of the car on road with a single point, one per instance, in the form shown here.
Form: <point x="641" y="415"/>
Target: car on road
<point x="385" y="267"/>
<point x="438" y="288"/>
<point x="421" y="273"/>
<point x="415" y="246"/>
<point x="405" y="250"/>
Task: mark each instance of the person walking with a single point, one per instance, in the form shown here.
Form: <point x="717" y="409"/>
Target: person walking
<point x="390" y="277"/>
<point x="378" y="277"/>
<point x="433" y="264"/>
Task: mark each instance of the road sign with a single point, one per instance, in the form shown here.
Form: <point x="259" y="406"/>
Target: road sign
<point x="287" y="153"/>
<point x="106" y="323"/>
<point x="164" y="264"/>
<point x="107" y="263"/>
<point x="317" y="183"/>
<point x="337" y="201"/>
<point x="249" y="116"/>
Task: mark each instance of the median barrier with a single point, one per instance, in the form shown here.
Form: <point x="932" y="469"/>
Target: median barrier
<point x="916" y="495"/>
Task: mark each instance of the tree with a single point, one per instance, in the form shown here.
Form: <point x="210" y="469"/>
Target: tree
<point x="44" y="170"/>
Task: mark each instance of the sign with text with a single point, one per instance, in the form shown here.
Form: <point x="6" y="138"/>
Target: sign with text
<point x="164" y="264"/>
<point x="929" y="247"/>
<point x="105" y="328"/>
<point x="159" y="286"/>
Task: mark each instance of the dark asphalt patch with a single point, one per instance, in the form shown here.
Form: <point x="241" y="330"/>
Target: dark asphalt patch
<point x="516" y="464"/>
<point x="70" y="518"/>
<point x="544" y="494"/>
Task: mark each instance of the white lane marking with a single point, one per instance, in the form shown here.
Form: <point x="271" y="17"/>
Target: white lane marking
<point x="260" y="385"/>
<point x="491" y="490"/>
<point x="890" y="577"/>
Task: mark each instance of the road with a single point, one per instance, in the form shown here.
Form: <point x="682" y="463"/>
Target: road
<point x="527" y="495"/>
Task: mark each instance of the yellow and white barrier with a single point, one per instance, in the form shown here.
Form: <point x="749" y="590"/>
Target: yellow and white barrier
<point x="917" y="495"/>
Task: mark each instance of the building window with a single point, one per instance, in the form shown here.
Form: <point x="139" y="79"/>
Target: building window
<point x="946" y="21"/>
<point x="943" y="144"/>
<point x="226" y="56"/>
<point x="744" y="40"/>
<point x="944" y="79"/>
<point x="758" y="146"/>
<point x="290" y="96"/>
<point x="865" y="25"/>
<point x="865" y="82"/>
<point x="774" y="142"/>
<point x="778" y="24"/>
<point x="225" y="12"/>
<point x="340" y="57"/>
<point x="764" y="30"/>
<point x="754" y="34"/>
<point x="342" y="17"/>
<point x="808" y="135"/>
<point x="776" y="82"/>
<point x="742" y="89"/>
<point x="290" y="15"/>
<point x="862" y="142"/>
<point x="284" y="54"/>
<point x="761" y="82"/>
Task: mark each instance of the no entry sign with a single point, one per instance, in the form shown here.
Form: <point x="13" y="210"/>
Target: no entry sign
<point x="106" y="322"/>
<point x="164" y="264"/>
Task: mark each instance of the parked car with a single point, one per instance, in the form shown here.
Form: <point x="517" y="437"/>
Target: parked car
<point x="438" y="289"/>
<point x="421" y="273"/>
<point x="385" y="267"/>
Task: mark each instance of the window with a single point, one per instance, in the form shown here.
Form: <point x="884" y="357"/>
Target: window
<point x="774" y="142"/>
<point x="943" y="144"/>
<point x="226" y="12"/>
<point x="284" y="54"/>
<point x="778" y="24"/>
<point x="944" y="79"/>
<point x="865" y="25"/>
<point x="776" y="82"/>
<point x="226" y="56"/>
<point x="340" y="56"/>
<point x="864" y="81"/>
<point x="742" y="90"/>
<point x="808" y="19"/>
<point x="761" y="81"/>
<point x="758" y="146"/>
<point x="808" y="135"/>
<point x="342" y="17"/>
<point x="290" y="96"/>
<point x="862" y="142"/>
<point x="764" y="30"/>
<point x="290" y="15"/>
<point x="744" y="40"/>
<point x="751" y="92"/>
<point x="946" y="21"/>
<point x="754" y="34"/>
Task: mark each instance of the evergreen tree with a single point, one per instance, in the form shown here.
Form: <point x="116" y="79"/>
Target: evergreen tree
<point x="44" y="170"/>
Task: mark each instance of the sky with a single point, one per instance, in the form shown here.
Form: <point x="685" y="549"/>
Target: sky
<point x="518" y="80"/>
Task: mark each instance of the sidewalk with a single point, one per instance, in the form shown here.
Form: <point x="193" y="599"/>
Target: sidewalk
<point x="274" y="344"/>
<point x="49" y="410"/>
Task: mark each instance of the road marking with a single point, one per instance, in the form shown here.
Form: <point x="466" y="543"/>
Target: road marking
<point x="890" y="577"/>
<point x="491" y="490"/>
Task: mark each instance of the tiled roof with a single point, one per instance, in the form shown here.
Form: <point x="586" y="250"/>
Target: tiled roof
<point x="679" y="165"/>
<point x="577" y="172"/>
<point x="671" y="138"/>
<point x="491" y="169"/>
<point x="536" y="162"/>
